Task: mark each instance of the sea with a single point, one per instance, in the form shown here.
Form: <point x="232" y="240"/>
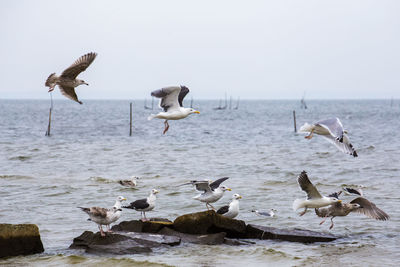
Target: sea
<point x="43" y="179"/>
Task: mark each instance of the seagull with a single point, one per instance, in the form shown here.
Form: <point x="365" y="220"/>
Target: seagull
<point x="332" y="130"/>
<point x="232" y="210"/>
<point x="212" y="192"/>
<point x="359" y="204"/>
<point x="145" y="204"/>
<point x="67" y="81"/>
<point x="130" y="183"/>
<point x="314" y="198"/>
<point x="103" y="216"/>
<point x="270" y="213"/>
<point x="352" y="191"/>
<point x="172" y="104"/>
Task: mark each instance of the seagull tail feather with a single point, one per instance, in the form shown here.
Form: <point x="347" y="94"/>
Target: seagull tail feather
<point x="297" y="204"/>
<point x="152" y="116"/>
<point x="306" y="127"/>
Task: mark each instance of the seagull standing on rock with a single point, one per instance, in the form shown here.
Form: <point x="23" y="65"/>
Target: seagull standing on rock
<point x="314" y="198"/>
<point x="103" y="216"/>
<point x="172" y="104"/>
<point x="212" y="192"/>
<point x="67" y="80"/>
<point x="145" y="204"/>
<point x="232" y="210"/>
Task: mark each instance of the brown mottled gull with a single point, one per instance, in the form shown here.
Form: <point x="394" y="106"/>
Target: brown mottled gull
<point x="67" y="80"/>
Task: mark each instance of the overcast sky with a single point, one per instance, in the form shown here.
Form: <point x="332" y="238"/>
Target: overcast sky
<point x="251" y="49"/>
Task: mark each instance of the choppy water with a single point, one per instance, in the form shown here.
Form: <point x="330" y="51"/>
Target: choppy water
<point x="44" y="179"/>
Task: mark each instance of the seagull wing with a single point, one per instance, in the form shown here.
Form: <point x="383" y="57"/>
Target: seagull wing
<point x="334" y="126"/>
<point x="307" y="186"/>
<point x="223" y="210"/>
<point x="169" y="97"/>
<point x="78" y="66"/>
<point x="182" y="94"/>
<point x="354" y="191"/>
<point x="203" y="186"/>
<point x="69" y="92"/>
<point x="336" y="194"/>
<point x="98" y="212"/>
<point x="138" y="204"/>
<point x="370" y="209"/>
<point x="214" y="185"/>
<point x="344" y="147"/>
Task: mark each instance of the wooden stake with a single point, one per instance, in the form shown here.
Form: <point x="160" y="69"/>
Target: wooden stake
<point x="130" y="119"/>
<point x="51" y="107"/>
<point x="294" y="120"/>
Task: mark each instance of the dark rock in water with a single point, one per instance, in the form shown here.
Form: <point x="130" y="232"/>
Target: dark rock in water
<point x="235" y="242"/>
<point x="207" y="239"/>
<point x="152" y="226"/>
<point x="19" y="239"/>
<point x="208" y="222"/>
<point x="293" y="235"/>
<point x="121" y="243"/>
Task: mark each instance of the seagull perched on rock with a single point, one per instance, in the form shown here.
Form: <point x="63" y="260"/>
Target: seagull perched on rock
<point x="359" y="204"/>
<point x="231" y="210"/>
<point x="212" y="192"/>
<point x="314" y="198"/>
<point x="145" y="204"/>
<point x="270" y="213"/>
<point x="172" y="104"/>
<point x="129" y="183"/>
<point x="332" y="130"/>
<point x="103" y="216"/>
<point x="67" y="80"/>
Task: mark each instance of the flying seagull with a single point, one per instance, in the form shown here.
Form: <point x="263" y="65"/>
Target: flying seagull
<point x="314" y="198"/>
<point x="332" y="130"/>
<point x="270" y="213"/>
<point x="67" y="81"/>
<point x="129" y="183"/>
<point x="359" y="204"/>
<point x="103" y="216"/>
<point x="172" y="104"/>
<point x="212" y="192"/>
<point x="145" y="204"/>
<point x="231" y="210"/>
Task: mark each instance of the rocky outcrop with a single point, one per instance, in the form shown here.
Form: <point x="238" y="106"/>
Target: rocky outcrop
<point x="19" y="239"/>
<point x="122" y="243"/>
<point x="208" y="239"/>
<point x="293" y="235"/>
<point x="208" y="222"/>
<point x="152" y="226"/>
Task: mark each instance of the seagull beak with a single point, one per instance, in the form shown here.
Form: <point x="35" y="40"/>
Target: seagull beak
<point x="240" y="197"/>
<point x="197" y="112"/>
<point x="124" y="199"/>
<point x="86" y="83"/>
<point x="229" y="189"/>
<point x="339" y="200"/>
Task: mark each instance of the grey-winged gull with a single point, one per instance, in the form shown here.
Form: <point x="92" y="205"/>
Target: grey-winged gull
<point x="270" y="213"/>
<point x="67" y="80"/>
<point x="172" y="104"/>
<point x="104" y="216"/>
<point x="129" y="183"/>
<point x="314" y="198"/>
<point x="332" y="130"/>
<point x="231" y="210"/>
<point x="145" y="204"/>
<point x="212" y="192"/>
<point x="359" y="204"/>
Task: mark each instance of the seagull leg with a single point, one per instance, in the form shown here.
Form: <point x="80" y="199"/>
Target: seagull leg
<point x="166" y="125"/>
<point x="332" y="222"/>
<point x="304" y="212"/>
<point x="108" y="228"/>
<point x="101" y="230"/>
<point x="212" y="207"/>
<point x="323" y="220"/>
<point x="310" y="135"/>
<point x="207" y="206"/>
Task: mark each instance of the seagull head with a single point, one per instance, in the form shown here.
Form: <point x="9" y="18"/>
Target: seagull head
<point x="154" y="191"/>
<point x="121" y="198"/>
<point x="236" y="196"/>
<point x="82" y="82"/>
<point x="334" y="200"/>
<point x="192" y="110"/>
<point x="224" y="188"/>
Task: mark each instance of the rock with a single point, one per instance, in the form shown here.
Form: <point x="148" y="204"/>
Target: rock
<point x="208" y="239"/>
<point x="235" y="242"/>
<point x="121" y="243"/>
<point x="152" y="226"/>
<point x="19" y="239"/>
<point x="293" y="235"/>
<point x="208" y="222"/>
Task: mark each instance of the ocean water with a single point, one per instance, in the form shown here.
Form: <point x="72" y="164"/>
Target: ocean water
<point x="43" y="179"/>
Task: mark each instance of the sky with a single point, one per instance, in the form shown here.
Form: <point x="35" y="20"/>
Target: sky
<point x="248" y="49"/>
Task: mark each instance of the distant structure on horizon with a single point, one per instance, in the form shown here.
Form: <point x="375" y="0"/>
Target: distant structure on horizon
<point x="303" y="102"/>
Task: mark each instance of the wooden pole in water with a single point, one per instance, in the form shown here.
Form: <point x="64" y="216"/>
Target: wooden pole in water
<point x="51" y="107"/>
<point x="294" y="120"/>
<point x="130" y="120"/>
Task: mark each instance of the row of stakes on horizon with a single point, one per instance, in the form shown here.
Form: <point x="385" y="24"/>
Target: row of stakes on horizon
<point x="171" y="101"/>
